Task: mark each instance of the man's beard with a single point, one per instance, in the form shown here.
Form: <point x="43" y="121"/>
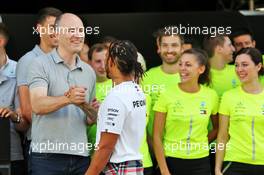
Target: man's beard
<point x="171" y="61"/>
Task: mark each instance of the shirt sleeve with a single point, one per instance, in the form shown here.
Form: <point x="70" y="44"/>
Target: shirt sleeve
<point x="224" y="108"/>
<point x="114" y="113"/>
<point x="161" y="104"/>
<point x="215" y="101"/>
<point x="22" y="69"/>
<point x="37" y="76"/>
<point x="148" y="102"/>
<point x="93" y="91"/>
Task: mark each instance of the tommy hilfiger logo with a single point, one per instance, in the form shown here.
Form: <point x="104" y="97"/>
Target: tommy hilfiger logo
<point x="203" y="112"/>
<point x="203" y="108"/>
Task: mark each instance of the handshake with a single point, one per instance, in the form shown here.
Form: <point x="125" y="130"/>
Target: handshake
<point x="76" y="96"/>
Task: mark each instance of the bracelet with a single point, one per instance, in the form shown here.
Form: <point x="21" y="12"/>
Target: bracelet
<point x="18" y="119"/>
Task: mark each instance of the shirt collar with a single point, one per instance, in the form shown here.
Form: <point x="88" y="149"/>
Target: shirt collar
<point x="3" y="78"/>
<point x="37" y="50"/>
<point x="57" y="59"/>
<point x="7" y="62"/>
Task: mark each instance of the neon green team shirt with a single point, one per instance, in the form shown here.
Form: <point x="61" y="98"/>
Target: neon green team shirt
<point x="147" y="162"/>
<point x="262" y="80"/>
<point x="187" y="118"/>
<point x="155" y="82"/>
<point x="246" y="126"/>
<point x="223" y="80"/>
<point x="102" y="89"/>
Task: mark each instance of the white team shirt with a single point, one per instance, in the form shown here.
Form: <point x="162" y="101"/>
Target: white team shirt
<point x="123" y="112"/>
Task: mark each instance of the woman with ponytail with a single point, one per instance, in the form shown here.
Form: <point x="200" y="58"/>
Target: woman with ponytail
<point x="182" y="114"/>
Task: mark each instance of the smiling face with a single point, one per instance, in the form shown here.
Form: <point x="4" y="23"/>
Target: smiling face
<point x="98" y="61"/>
<point x="243" y="41"/>
<point x="189" y="68"/>
<point x="71" y="33"/>
<point x="246" y="69"/>
<point x="226" y="50"/>
<point x="46" y="30"/>
<point x="170" y="49"/>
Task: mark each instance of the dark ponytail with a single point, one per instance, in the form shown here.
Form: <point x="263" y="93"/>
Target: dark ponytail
<point x="138" y="71"/>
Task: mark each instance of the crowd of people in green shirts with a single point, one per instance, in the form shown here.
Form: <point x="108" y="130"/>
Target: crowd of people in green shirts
<point x="199" y="104"/>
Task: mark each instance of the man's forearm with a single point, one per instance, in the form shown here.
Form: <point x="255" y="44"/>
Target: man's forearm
<point x="99" y="161"/>
<point x="212" y="135"/>
<point x="89" y="111"/>
<point x="25" y="104"/>
<point x="45" y="105"/>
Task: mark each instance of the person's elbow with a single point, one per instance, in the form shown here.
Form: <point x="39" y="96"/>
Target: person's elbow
<point x="37" y="96"/>
<point x="26" y="112"/>
<point x="222" y="136"/>
<point x="22" y="127"/>
<point x="38" y="109"/>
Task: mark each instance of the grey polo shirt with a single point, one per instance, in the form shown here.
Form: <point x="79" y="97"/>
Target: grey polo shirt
<point x="8" y="99"/>
<point x="62" y="131"/>
<point x="22" y="71"/>
<point x="9" y="69"/>
<point x="24" y="63"/>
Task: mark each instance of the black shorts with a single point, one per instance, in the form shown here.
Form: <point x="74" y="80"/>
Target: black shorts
<point x="148" y="171"/>
<point x="235" y="168"/>
<point x="188" y="166"/>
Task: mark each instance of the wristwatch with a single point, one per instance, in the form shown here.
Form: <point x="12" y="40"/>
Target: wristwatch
<point x="18" y="119"/>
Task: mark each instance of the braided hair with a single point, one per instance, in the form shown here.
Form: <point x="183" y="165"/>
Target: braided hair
<point x="124" y="54"/>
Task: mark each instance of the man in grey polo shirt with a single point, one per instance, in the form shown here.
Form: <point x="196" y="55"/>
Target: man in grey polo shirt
<point x="8" y="106"/>
<point x="59" y="141"/>
<point x="7" y="102"/>
<point x="48" y="41"/>
<point x="45" y="20"/>
<point x="7" y="66"/>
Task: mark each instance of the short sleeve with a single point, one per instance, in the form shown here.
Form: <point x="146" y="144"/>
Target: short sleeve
<point x="215" y="101"/>
<point x="161" y="104"/>
<point x="93" y="91"/>
<point x="224" y="108"/>
<point x="113" y="114"/>
<point x="37" y="76"/>
<point x="148" y="102"/>
<point x="22" y="71"/>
